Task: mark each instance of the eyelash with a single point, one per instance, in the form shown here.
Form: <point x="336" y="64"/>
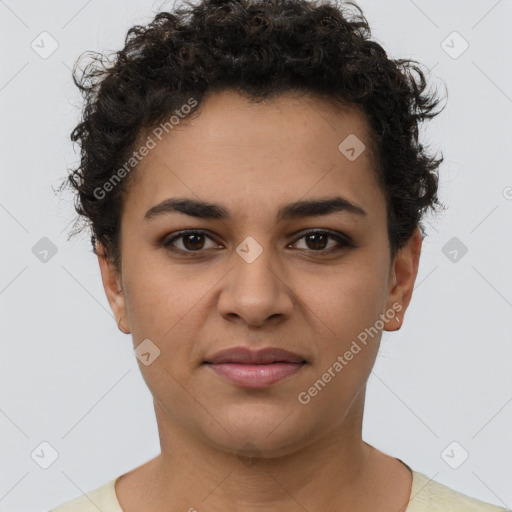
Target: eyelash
<point x="342" y="241"/>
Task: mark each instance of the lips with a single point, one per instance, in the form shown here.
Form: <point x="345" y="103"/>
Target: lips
<point x="244" y="355"/>
<point x="255" y="369"/>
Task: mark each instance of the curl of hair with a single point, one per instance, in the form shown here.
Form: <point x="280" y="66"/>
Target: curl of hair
<point x="259" y="48"/>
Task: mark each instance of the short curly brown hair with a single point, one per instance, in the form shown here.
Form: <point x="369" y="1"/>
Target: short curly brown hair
<point x="260" y="48"/>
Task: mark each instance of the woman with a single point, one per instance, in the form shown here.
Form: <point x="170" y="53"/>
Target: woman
<point x="252" y="176"/>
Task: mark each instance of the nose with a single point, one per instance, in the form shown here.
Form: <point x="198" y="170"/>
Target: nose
<point x="255" y="292"/>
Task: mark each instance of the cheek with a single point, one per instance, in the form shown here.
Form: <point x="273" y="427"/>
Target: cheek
<point x="346" y="302"/>
<point x="346" y="343"/>
<point x="164" y="304"/>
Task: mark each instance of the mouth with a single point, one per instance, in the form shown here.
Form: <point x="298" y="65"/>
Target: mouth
<point x="255" y="369"/>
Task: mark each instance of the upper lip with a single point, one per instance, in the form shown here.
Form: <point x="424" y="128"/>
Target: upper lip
<point x="244" y="355"/>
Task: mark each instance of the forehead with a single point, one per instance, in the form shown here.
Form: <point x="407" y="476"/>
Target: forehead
<point x="292" y="122"/>
<point x="274" y="151"/>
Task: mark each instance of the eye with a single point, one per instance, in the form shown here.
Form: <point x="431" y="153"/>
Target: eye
<point x="316" y="241"/>
<point x="194" y="241"/>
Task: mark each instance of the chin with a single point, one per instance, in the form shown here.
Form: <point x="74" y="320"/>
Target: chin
<point x="266" y="431"/>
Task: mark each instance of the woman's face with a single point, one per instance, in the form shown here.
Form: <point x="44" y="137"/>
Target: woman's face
<point x="252" y="279"/>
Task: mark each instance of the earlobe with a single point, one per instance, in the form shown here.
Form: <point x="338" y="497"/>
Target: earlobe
<point x="403" y="277"/>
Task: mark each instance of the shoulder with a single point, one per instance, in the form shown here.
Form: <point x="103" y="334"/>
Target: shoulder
<point x="430" y="496"/>
<point x="102" y="498"/>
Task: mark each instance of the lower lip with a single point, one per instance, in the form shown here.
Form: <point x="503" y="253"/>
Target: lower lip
<point x="255" y="375"/>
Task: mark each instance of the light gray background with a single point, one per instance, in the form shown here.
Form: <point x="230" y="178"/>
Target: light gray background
<point x="69" y="376"/>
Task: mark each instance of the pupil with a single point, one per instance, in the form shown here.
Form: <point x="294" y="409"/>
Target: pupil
<point x="193" y="245"/>
<point x="315" y="240"/>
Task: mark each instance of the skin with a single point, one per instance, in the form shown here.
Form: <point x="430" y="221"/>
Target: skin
<point x="252" y="158"/>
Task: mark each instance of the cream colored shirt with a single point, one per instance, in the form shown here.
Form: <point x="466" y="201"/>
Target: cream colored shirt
<point x="426" y="496"/>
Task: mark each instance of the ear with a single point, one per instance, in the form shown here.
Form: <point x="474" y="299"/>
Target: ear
<point x="112" y="283"/>
<point x="402" y="277"/>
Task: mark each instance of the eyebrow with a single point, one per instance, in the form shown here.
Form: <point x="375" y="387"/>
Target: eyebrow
<point x="298" y="209"/>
